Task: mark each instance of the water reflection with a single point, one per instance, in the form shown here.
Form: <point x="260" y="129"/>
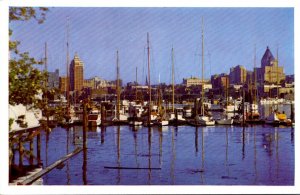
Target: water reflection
<point x="173" y="156"/>
<point x="67" y="152"/>
<point x="243" y="147"/>
<point x="103" y="130"/>
<point x="260" y="160"/>
<point x="202" y="158"/>
<point x="84" y="166"/>
<point x="149" y="154"/>
<point x="196" y="141"/>
<point x="254" y="158"/>
<point x="118" y="155"/>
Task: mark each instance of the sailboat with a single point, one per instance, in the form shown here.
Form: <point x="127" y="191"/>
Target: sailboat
<point x="176" y="115"/>
<point x="120" y="116"/>
<point x="252" y="113"/>
<point x="151" y="116"/>
<point x="225" y="120"/>
<point x="162" y="118"/>
<point x="135" y="108"/>
<point x="202" y="119"/>
<point x="275" y="118"/>
<point x="70" y="113"/>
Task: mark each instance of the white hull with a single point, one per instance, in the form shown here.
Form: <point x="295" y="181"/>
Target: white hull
<point x="225" y="121"/>
<point x="205" y="121"/>
<point x="163" y="122"/>
<point x="231" y="108"/>
<point x="136" y="123"/>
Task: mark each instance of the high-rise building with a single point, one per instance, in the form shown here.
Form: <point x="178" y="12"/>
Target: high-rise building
<point x="238" y="75"/>
<point x="270" y="71"/>
<point x="76" y="74"/>
<point x="220" y="80"/>
<point x="63" y="84"/>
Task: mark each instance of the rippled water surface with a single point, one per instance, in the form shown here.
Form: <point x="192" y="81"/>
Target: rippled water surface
<point x="184" y="155"/>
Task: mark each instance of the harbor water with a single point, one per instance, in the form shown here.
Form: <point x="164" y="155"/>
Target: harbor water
<point x="183" y="155"/>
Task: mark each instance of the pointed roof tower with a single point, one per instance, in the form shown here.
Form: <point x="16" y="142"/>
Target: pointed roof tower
<point x="267" y="58"/>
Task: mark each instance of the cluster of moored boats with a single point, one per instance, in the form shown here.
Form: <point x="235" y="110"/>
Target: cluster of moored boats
<point x="137" y="113"/>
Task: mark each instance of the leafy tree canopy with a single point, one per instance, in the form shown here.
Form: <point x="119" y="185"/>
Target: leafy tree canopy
<point x="25" y="80"/>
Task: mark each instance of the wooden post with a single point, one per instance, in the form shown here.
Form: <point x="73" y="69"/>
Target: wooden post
<point x="38" y="175"/>
<point x="12" y="155"/>
<point x="103" y="117"/>
<point x="292" y="113"/>
<point x="243" y="107"/>
<point x="31" y="151"/>
<point x="84" y="124"/>
<point x="84" y="166"/>
<point x="38" y="147"/>
<point x="21" y="151"/>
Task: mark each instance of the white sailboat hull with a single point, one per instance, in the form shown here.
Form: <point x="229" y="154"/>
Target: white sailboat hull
<point x="225" y="121"/>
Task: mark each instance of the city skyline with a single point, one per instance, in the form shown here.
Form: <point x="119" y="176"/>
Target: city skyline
<point x="230" y="36"/>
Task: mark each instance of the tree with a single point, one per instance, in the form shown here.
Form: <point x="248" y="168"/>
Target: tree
<point x="25" y="80"/>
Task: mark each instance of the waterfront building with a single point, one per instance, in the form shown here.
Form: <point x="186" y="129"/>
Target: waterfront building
<point x="270" y="71"/>
<point x="219" y="83"/>
<point x="53" y="79"/>
<point x="220" y="80"/>
<point x="63" y="84"/>
<point x="237" y="75"/>
<point x="194" y="81"/>
<point x="76" y="74"/>
<point x="90" y="83"/>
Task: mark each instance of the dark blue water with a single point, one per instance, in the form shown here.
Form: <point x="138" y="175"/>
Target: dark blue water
<point x="220" y="155"/>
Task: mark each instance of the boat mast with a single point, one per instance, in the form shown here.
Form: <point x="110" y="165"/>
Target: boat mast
<point x="173" y="91"/>
<point x="46" y="66"/>
<point x="46" y="82"/>
<point x="68" y="76"/>
<point x="149" y="85"/>
<point x="202" y="84"/>
<point x="277" y="73"/>
<point x="118" y="88"/>
<point x="136" y="83"/>
<point x="255" y="90"/>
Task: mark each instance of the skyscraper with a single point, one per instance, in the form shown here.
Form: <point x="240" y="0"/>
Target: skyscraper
<point x="76" y="74"/>
<point x="238" y="75"/>
<point x="270" y="71"/>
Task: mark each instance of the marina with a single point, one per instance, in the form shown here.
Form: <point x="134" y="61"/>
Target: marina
<point x="137" y="104"/>
<point x="166" y="155"/>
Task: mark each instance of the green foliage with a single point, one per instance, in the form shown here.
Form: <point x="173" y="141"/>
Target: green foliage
<point x="11" y="121"/>
<point x="27" y="13"/>
<point x="25" y="80"/>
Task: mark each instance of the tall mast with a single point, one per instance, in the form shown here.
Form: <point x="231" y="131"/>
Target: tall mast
<point x="118" y="87"/>
<point x="46" y="70"/>
<point x="202" y="91"/>
<point x="46" y="65"/>
<point x="68" y="76"/>
<point x="173" y="98"/>
<point x="255" y="90"/>
<point x="277" y="73"/>
<point x="149" y="84"/>
<point x="136" y="83"/>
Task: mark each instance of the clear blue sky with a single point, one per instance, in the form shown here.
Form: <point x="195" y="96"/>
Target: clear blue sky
<point x="230" y="35"/>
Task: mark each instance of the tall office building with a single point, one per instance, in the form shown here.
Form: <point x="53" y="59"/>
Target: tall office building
<point x="238" y="75"/>
<point x="269" y="71"/>
<point x="76" y="74"/>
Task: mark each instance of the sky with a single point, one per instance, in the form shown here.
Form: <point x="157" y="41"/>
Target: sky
<point x="95" y="34"/>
